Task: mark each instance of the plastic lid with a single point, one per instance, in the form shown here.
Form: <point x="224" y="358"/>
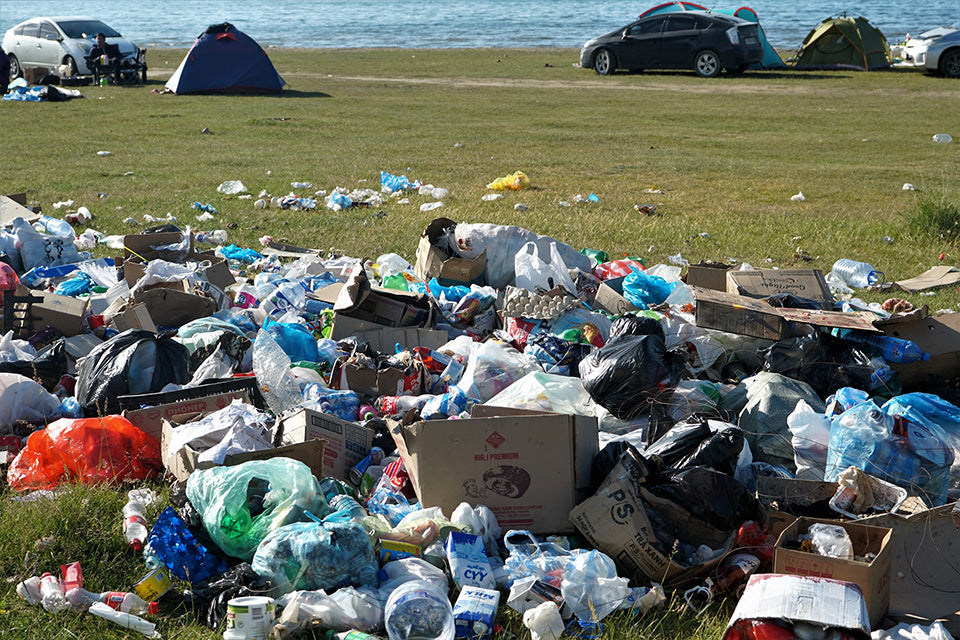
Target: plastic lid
<point x="153" y="608"/>
<point x="136" y="545"/>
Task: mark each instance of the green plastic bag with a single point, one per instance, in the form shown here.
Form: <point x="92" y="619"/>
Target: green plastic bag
<point x="240" y="505"/>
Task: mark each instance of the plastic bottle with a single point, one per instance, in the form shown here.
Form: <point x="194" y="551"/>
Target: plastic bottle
<point x="881" y="374"/>
<point x="134" y="524"/>
<point x="51" y="594"/>
<point x="391" y="405"/>
<point x="120" y="600"/>
<point x="942" y="138"/>
<point x="418" y="610"/>
<point x="891" y="349"/>
<point x="246" y="297"/>
<point x="217" y="237"/>
<point x="857" y="274"/>
<point x="349" y="635"/>
<point x="125" y="620"/>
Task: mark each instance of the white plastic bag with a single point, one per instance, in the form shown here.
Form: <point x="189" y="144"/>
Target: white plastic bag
<point x="23" y="399"/>
<point x="810" y="433"/>
<point x="544" y="622"/>
<point x="831" y="541"/>
<point x="539" y="391"/>
<point x="494" y="367"/>
<point x="345" y="609"/>
<point x="534" y="273"/>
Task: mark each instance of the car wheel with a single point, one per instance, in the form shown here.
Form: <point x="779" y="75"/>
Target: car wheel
<point x="707" y="64"/>
<point x="15" y="69"/>
<point x="950" y="63"/>
<point x="71" y="65"/>
<point x="604" y="62"/>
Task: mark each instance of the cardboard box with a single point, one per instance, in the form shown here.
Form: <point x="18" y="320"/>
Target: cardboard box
<point x="820" y="602"/>
<point x="150" y="420"/>
<point x="384" y="338"/>
<point x="386" y="307"/>
<point x="939" y="336"/>
<point x="347" y="443"/>
<point x="11" y="207"/>
<point x="372" y="382"/>
<point x="63" y="313"/>
<point x="171" y="307"/>
<point x="448" y="270"/>
<point x="218" y="273"/>
<point x="137" y="317"/>
<point x="529" y="468"/>
<point x="709" y="275"/>
<point x="760" y="283"/>
<point x="186" y="462"/>
<point x="610" y="297"/>
<point x="141" y="245"/>
<point x="614" y="520"/>
<point x="873" y="576"/>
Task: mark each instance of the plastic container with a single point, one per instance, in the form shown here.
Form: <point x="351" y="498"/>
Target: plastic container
<point x="418" y="610"/>
<point x="942" y="138"/>
<point x="134" y="524"/>
<point x="249" y="618"/>
<point x="51" y="594"/>
<point x="887" y="497"/>
<point x="857" y="274"/>
<point x="120" y="600"/>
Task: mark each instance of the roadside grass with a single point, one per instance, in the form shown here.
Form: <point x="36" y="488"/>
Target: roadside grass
<point x="936" y="217"/>
<point x="725" y="154"/>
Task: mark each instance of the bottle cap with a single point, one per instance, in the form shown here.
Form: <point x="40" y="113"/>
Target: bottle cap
<point x="153" y="608"/>
<point x="136" y="545"/>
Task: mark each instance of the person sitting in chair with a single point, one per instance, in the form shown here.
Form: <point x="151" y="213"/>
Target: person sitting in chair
<point x="104" y="57"/>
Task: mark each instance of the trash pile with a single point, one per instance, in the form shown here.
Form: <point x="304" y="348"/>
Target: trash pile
<point x="405" y="448"/>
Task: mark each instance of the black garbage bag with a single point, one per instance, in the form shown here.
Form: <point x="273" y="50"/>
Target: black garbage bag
<point x="694" y="443"/>
<point x="629" y="373"/>
<point x="820" y="360"/>
<point x="710" y="495"/>
<point x="132" y="362"/>
<point x="636" y="326"/>
<point x="45" y="369"/>
<point x="209" y="599"/>
<point x="790" y="301"/>
<point x="607" y="459"/>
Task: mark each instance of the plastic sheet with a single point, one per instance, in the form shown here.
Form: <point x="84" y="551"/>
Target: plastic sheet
<point x="90" y="451"/>
<point x="315" y="555"/>
<point x="240" y="505"/>
<point x="185" y="556"/>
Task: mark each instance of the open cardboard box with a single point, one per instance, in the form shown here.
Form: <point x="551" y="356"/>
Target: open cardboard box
<point x="448" y="270"/>
<point x="172" y="304"/>
<point x="347" y="443"/>
<point x="63" y="313"/>
<point x="360" y="300"/>
<point x="530" y="468"/>
<point x="150" y="420"/>
<point x="610" y="297"/>
<point x="938" y="336"/>
<point x="384" y="338"/>
<point x="760" y="283"/>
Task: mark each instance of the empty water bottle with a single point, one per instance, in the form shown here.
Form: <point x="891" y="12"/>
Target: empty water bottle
<point x="134" y="524"/>
<point x="419" y="610"/>
<point x="891" y="349"/>
<point x="56" y="226"/>
<point x="51" y="594"/>
<point x="942" y="138"/>
<point x="857" y="274"/>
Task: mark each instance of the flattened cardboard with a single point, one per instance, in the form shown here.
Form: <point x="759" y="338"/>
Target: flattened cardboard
<point x="760" y="283"/>
<point x="530" y="470"/>
<point x="63" y="313"/>
<point x="610" y="297"/>
<point x="709" y="275"/>
<point x="873" y="576"/>
<point x="150" y="420"/>
<point x="80" y="345"/>
<point x="384" y="338"/>
<point x="171" y="307"/>
<point x="387" y="307"/>
<point x="938" y="336"/>
<point x="821" y="602"/>
<point x="934" y="278"/>
<point x="347" y="443"/>
<point x="10" y="209"/>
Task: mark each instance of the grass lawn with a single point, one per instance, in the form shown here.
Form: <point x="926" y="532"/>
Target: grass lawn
<point x="723" y="156"/>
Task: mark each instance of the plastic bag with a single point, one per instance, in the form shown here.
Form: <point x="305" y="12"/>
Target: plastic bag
<point x="533" y="273"/>
<point x="544" y="621"/>
<point x="133" y="362"/>
<point x="12" y="350"/>
<point x="213" y="595"/>
<point x="22" y="399"/>
<point x="314" y="555"/>
<point x="343" y="610"/>
<point x="395" y="573"/>
<point x="295" y="340"/>
<point x="186" y="557"/>
<point x="628" y="373"/>
<point x="240" y="505"/>
<point x="700" y="442"/>
<point x="492" y="368"/>
<point x="644" y="291"/>
<point x="556" y="355"/>
<point x="710" y="495"/>
<point x="8" y="248"/>
<point x="38" y="250"/>
<point x="91" y="451"/>
<point x="810" y="434"/>
<point x="515" y="181"/>
<point x="831" y="541"/>
<point x="47" y="368"/>
<point x="591" y="587"/>
<point x="539" y="391"/>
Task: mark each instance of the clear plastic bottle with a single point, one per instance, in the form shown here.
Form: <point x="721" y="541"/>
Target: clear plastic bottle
<point x="51" y="594"/>
<point x="134" y="524"/>
<point x="392" y="405"/>
<point x="858" y="275"/>
<point x="124" y="601"/>
<point x="419" y="610"/>
<point x="125" y="620"/>
<point x="57" y="227"/>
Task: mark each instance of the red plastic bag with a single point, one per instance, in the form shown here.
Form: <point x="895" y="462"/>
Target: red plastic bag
<point x="617" y="268"/>
<point x="89" y="450"/>
<point x="8" y="279"/>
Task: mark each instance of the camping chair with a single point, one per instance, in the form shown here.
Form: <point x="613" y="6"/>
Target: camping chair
<point x="112" y="68"/>
<point x="133" y="70"/>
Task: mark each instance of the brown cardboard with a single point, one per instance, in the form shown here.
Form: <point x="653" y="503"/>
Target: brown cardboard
<point x="614" y="520"/>
<point x="709" y="275"/>
<point x="150" y="420"/>
<point x="760" y="283"/>
<point x="939" y="336"/>
<point x="140" y="244"/>
<point x="368" y="381"/>
<point x="80" y="345"/>
<point x="529" y="469"/>
<point x="873" y="576"/>
<point x="347" y="443"/>
<point x="389" y="307"/>
<point x="218" y="273"/>
<point x="610" y="297"/>
<point x="384" y="338"/>
<point x="63" y="313"/>
<point x="933" y="278"/>
<point x="137" y="317"/>
<point x="448" y="270"/>
<point x="10" y="209"/>
<point x="172" y="307"/>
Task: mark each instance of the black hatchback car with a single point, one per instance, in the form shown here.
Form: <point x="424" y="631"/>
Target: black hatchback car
<point x="703" y="41"/>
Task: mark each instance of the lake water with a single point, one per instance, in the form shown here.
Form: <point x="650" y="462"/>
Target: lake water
<point x="448" y="24"/>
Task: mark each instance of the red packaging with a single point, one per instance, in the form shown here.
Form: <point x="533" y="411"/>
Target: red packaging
<point x="72" y="576"/>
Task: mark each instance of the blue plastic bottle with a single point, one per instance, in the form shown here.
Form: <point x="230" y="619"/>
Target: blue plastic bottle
<point x="891" y="349"/>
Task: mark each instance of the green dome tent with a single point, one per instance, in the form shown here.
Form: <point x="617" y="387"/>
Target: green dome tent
<point x="844" y="43"/>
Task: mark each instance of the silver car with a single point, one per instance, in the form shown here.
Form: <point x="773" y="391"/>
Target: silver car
<point x="937" y="50"/>
<point x="51" y="42"/>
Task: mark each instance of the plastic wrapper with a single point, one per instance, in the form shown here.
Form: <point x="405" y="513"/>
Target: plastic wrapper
<point x="240" y="505"/>
<point x="514" y="181"/>
<point x="90" y="451"/>
<point x="210" y="597"/>
<point x="628" y="373"/>
<point x="314" y="555"/>
<point x="133" y="362"/>
<point x="47" y="368"/>
<point x="345" y="609"/>
<point x="831" y="541"/>
<point x="492" y="368"/>
<point x="23" y="400"/>
<point x="185" y="556"/>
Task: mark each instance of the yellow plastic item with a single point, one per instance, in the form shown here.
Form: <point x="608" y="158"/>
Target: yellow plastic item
<point x="515" y="181"/>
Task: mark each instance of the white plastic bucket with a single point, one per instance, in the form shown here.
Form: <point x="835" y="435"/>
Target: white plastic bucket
<point x="249" y="618"/>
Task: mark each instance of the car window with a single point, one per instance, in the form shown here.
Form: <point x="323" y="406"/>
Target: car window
<point x="681" y="23"/>
<point x="87" y="29"/>
<point x="706" y="23"/>
<point x="646" y="28"/>
<point x="48" y="31"/>
<point x="31" y="30"/>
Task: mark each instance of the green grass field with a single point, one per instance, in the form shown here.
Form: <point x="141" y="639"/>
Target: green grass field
<point x="726" y="153"/>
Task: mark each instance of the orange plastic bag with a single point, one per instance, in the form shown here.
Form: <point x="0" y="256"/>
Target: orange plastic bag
<point x="89" y="450"/>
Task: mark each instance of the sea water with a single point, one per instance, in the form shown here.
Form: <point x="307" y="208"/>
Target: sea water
<point x="449" y="24"/>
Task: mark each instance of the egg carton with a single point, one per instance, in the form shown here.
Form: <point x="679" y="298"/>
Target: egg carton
<point x="527" y="304"/>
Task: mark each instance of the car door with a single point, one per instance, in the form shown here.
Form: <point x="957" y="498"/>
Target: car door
<point x="26" y="45"/>
<point x="639" y="47"/>
<point x="49" y="49"/>
<point x="679" y="41"/>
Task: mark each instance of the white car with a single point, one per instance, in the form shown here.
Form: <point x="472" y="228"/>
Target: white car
<point x="51" y="42"/>
<point x="937" y="50"/>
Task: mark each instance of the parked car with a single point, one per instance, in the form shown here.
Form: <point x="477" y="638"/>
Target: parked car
<point x="937" y="50"/>
<point x="700" y="40"/>
<point x="51" y="42"/>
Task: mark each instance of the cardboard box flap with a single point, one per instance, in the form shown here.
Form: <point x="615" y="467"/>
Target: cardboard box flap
<point x="10" y="209"/>
<point x="760" y="283"/>
<point x="141" y="245"/>
<point x="934" y="278"/>
<point x="709" y="275"/>
<point x="433" y="262"/>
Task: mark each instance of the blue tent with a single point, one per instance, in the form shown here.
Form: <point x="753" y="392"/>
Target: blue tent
<point x="225" y="60"/>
